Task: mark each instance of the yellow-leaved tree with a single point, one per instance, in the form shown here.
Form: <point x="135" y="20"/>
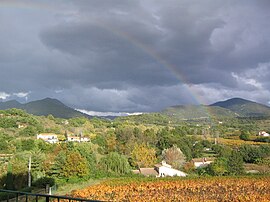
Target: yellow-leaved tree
<point x="75" y="166"/>
<point x="143" y="156"/>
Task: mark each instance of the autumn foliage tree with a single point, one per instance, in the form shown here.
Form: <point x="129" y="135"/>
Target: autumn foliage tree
<point x="143" y="155"/>
<point x="75" y="166"/>
<point x="174" y="156"/>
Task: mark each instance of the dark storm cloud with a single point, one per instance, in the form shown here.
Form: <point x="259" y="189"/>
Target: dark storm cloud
<point x="135" y="55"/>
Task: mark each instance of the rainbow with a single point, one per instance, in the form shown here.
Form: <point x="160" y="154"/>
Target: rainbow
<point x="38" y="5"/>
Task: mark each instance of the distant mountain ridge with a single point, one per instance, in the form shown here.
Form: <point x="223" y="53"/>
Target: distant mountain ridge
<point x="235" y="107"/>
<point x="197" y="112"/>
<point x="244" y="108"/>
<point x="44" y="107"/>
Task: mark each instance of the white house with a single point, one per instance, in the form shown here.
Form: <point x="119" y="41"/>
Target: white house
<point x="166" y="170"/>
<point x="48" y="137"/>
<point x="264" y="134"/>
<point x="73" y="139"/>
<point x="201" y="162"/>
<point x="85" y="139"/>
<point x="77" y="139"/>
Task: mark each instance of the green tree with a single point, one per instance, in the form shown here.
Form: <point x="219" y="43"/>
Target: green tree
<point x="164" y="139"/>
<point x="235" y="163"/>
<point x="197" y="150"/>
<point x="222" y="150"/>
<point x="86" y="151"/>
<point x="250" y="153"/>
<point x="244" y="135"/>
<point x="28" y="131"/>
<point x="28" y="144"/>
<point x="219" y="167"/>
<point x="149" y="137"/>
<point x="58" y="165"/>
<point x="115" y="163"/>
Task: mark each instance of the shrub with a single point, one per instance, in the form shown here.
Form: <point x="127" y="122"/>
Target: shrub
<point x="42" y="182"/>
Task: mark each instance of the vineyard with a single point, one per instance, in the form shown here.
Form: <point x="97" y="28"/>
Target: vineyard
<point x="236" y="142"/>
<point x="201" y="189"/>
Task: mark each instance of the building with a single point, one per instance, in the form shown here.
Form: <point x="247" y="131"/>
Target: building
<point x="147" y="172"/>
<point x="48" y="137"/>
<point x="160" y="170"/>
<point x="264" y="134"/>
<point x="21" y="125"/>
<point x="202" y="162"/>
<point x="165" y="169"/>
<point x="77" y="139"/>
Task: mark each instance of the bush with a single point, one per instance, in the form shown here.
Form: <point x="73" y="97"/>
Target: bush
<point x="244" y="136"/>
<point x="42" y="182"/>
<point x="262" y="139"/>
<point x="251" y="153"/>
<point x="219" y="167"/>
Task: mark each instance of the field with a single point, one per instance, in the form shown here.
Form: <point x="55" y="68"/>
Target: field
<point x="236" y="142"/>
<point x="175" y="189"/>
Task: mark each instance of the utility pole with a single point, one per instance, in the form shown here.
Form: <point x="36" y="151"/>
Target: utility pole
<point x="29" y="171"/>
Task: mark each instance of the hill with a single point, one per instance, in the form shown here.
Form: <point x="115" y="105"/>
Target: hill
<point x="244" y="108"/>
<point x="176" y="114"/>
<point x="44" y="107"/>
<point x="232" y="108"/>
<point x="10" y="104"/>
<point x="197" y="112"/>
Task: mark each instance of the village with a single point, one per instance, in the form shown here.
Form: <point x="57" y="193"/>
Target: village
<point x="52" y="138"/>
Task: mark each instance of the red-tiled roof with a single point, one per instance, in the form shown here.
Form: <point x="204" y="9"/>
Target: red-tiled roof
<point x="148" y="171"/>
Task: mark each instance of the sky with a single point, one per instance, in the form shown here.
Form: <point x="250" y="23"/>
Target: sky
<point x="134" y="56"/>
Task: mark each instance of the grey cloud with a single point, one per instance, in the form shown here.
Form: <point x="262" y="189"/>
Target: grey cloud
<point x="127" y="55"/>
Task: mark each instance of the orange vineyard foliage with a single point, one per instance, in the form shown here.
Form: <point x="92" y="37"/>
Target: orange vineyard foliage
<point x="201" y="189"/>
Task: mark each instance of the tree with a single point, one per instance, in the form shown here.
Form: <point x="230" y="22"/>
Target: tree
<point x="235" y="163"/>
<point x="51" y="117"/>
<point x="219" y="167"/>
<point x="143" y="155"/>
<point x="244" y="136"/>
<point x="28" y="131"/>
<point x="115" y="163"/>
<point x="250" y="153"/>
<point x="86" y="151"/>
<point x="186" y="144"/>
<point x="150" y="137"/>
<point x="28" y="145"/>
<point x="222" y="151"/>
<point x="75" y="166"/>
<point x="174" y="156"/>
<point x="57" y="167"/>
<point x="164" y="139"/>
<point x="111" y="142"/>
<point x="197" y="150"/>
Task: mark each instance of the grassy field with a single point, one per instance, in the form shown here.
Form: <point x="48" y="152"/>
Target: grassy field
<point x="68" y="188"/>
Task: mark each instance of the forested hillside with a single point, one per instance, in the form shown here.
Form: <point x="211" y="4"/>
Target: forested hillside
<point x="116" y="147"/>
<point x="44" y="107"/>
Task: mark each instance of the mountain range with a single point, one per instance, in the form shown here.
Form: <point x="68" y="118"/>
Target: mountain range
<point x="244" y="108"/>
<point x="235" y="107"/>
<point x="44" y="107"/>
